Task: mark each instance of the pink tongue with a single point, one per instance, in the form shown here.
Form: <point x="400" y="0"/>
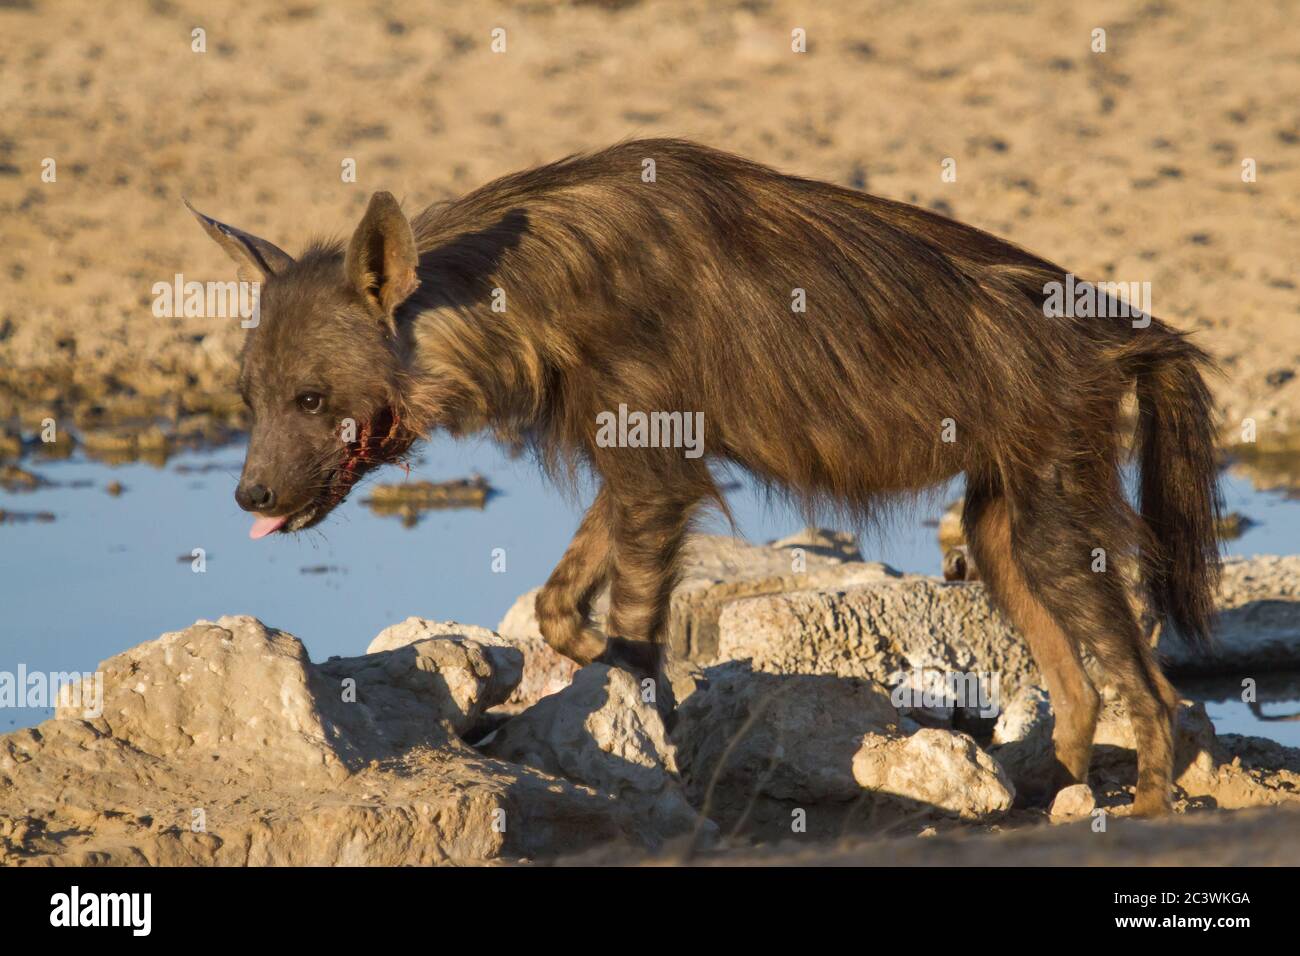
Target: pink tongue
<point x="264" y="526"/>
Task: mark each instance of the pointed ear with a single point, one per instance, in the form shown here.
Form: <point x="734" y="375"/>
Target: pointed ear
<point x="381" y="258"/>
<point x="256" y="258"/>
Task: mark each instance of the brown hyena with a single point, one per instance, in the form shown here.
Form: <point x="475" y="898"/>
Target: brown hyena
<point x="844" y="349"/>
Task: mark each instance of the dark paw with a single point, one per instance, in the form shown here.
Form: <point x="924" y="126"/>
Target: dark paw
<point x="644" y="661"/>
<point x="640" y="657"/>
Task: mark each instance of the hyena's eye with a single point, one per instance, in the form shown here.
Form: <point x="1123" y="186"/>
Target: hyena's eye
<point x="311" y="402"/>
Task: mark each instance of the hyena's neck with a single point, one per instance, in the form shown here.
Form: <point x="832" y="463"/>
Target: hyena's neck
<point x="472" y="370"/>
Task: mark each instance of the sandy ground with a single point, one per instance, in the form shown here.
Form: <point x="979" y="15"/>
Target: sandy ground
<point x="1122" y="165"/>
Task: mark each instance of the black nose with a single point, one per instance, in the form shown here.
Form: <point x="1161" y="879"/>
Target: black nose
<point x="255" y="497"/>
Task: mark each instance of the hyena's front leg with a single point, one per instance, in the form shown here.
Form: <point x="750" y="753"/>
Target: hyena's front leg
<point x="564" y="604"/>
<point x="648" y="535"/>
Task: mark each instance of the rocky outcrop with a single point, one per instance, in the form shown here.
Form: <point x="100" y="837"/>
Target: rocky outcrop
<point x="72" y="796"/>
<point x="603" y="732"/>
<point x="717" y="570"/>
<point x="224" y="744"/>
<point x="888" y="626"/>
<point x="803" y="605"/>
<point x="544" y="671"/>
<point x="889" y="631"/>
<point x="935" y="768"/>
<point x="1022" y="737"/>
<point x="1208" y="769"/>
<point x="451" y="680"/>
<point x="770" y="754"/>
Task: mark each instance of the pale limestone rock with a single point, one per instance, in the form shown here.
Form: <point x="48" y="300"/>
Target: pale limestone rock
<point x="222" y="744"/>
<point x="1073" y="803"/>
<point x="406" y="690"/>
<point x="421" y="629"/>
<point x="233" y="687"/>
<point x="1206" y="767"/>
<point x="70" y="796"/>
<point x="934" y="769"/>
<point x="1022" y="739"/>
<point x="601" y="731"/>
<point x="784" y="737"/>
<point x="717" y="569"/>
<point x="757" y="747"/>
<point x="882" y="630"/>
<point x="544" y="671"/>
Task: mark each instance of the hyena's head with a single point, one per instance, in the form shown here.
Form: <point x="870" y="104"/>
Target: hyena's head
<point x="322" y="367"/>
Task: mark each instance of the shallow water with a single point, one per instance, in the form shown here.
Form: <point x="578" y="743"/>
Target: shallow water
<point x="1275" y="713"/>
<point x="111" y="572"/>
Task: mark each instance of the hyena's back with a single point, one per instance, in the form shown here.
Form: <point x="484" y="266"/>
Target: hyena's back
<point x="816" y="327"/>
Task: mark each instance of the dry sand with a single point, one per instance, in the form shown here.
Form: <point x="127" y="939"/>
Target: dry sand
<point x="1121" y="165"/>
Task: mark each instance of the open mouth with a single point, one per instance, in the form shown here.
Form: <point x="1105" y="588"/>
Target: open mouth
<point x="380" y="441"/>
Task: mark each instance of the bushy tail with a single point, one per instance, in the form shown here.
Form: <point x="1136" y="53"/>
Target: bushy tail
<point x="1180" y="499"/>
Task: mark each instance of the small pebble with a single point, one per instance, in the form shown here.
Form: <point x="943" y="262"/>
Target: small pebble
<point x="1073" y="802"/>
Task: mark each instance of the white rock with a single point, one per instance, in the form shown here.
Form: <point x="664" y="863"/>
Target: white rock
<point x="599" y="731"/>
<point x="935" y="769"/>
<point x="880" y="630"/>
<point x="717" y="569"/>
<point x="1073" y="803"/>
<point x="222" y="744"/>
<point x="545" y="672"/>
<point x="451" y="678"/>
<point x="787" y="738"/>
<point x="809" y="742"/>
<point x="1022" y="739"/>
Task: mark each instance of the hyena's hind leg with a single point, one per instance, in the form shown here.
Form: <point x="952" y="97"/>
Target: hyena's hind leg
<point x="1057" y="528"/>
<point x="564" y="603"/>
<point x="1075" y="703"/>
